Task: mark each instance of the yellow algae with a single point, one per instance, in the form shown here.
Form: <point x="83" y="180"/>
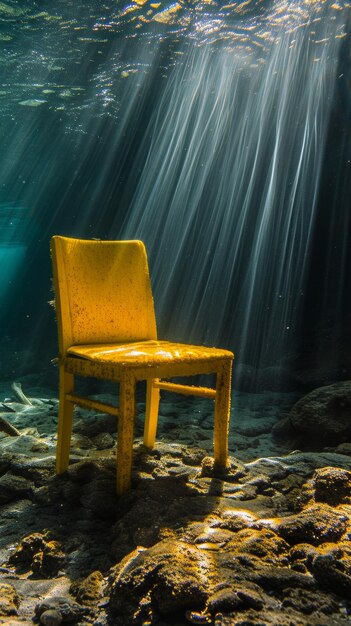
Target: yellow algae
<point x="155" y="5"/>
<point x="208" y="545"/>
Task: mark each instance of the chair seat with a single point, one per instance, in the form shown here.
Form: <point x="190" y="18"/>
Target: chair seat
<point x="147" y="353"/>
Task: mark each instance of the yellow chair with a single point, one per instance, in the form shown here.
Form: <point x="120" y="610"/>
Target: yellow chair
<point x="107" y="330"/>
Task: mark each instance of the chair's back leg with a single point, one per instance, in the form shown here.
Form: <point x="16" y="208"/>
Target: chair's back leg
<point x="151" y="413"/>
<point x="66" y="385"/>
<point x="222" y="413"/>
<point x="125" y="432"/>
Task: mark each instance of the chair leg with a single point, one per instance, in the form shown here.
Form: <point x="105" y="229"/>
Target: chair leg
<point x="222" y="414"/>
<point x="66" y="385"/>
<point x="151" y="413"/>
<point x="125" y="433"/>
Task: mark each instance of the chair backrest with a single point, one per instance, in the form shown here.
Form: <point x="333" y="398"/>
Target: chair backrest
<point x="102" y="292"/>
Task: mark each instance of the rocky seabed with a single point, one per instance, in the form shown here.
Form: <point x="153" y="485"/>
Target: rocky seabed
<point x="264" y="542"/>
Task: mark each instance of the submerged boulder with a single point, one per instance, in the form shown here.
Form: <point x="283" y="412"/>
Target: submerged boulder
<point x="9" y="600"/>
<point x="317" y="524"/>
<point x="167" y="578"/>
<point x="53" y="610"/>
<point x="89" y="590"/>
<point x="332" y="485"/>
<point x="38" y="553"/>
<point x="322" y="417"/>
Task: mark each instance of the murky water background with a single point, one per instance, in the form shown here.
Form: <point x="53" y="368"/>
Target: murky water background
<point x="217" y="133"/>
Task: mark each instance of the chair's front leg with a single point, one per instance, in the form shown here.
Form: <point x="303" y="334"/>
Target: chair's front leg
<point x="66" y="384"/>
<point x="151" y="413"/>
<point x="222" y="413"/>
<point x="125" y="432"/>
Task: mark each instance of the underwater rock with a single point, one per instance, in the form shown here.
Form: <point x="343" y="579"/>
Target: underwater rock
<point x="56" y="609"/>
<point x="89" y="470"/>
<point x="13" y="487"/>
<point x="332" y="485"/>
<point x="235" y="575"/>
<point x="80" y="442"/>
<point x="89" y="590"/>
<point x="99" y="498"/>
<point x="328" y="571"/>
<point x="316" y="524"/>
<point x="321" y="417"/>
<point x="168" y="577"/>
<point x="103" y="441"/>
<point x="9" y="600"/>
<point x="307" y="601"/>
<point x="193" y="456"/>
<point x="26" y="444"/>
<point x="186" y="547"/>
<point x="262" y="543"/>
<point x="51" y="617"/>
<point x="237" y="598"/>
<point x="344" y="448"/>
<point x="283" y="430"/>
<point x="38" y="553"/>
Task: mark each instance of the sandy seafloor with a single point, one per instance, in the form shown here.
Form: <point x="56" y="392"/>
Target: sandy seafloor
<point x="185" y="430"/>
<point x="182" y="420"/>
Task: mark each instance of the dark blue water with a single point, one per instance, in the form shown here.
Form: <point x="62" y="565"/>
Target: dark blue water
<point x="217" y="133"/>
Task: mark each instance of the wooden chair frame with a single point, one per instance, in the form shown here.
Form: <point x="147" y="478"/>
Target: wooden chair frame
<point x="160" y="360"/>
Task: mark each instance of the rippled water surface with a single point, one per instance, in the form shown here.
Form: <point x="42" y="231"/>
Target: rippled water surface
<point x="70" y="55"/>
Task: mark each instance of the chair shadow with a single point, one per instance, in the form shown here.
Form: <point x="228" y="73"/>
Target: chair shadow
<point x="74" y="523"/>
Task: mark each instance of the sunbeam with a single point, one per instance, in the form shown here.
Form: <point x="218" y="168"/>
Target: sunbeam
<point x="227" y="196"/>
<point x="215" y="133"/>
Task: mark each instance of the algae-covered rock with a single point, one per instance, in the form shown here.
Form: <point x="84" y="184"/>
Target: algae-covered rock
<point x="332" y="485"/>
<point x="316" y="524"/>
<point x="262" y="543"/>
<point x="168" y="577"/>
<point x="322" y="417"/>
<point x="330" y="574"/>
<point x="89" y="590"/>
<point x="39" y="553"/>
<point x="9" y="600"/>
<point x="237" y="598"/>
<point x="53" y="610"/>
